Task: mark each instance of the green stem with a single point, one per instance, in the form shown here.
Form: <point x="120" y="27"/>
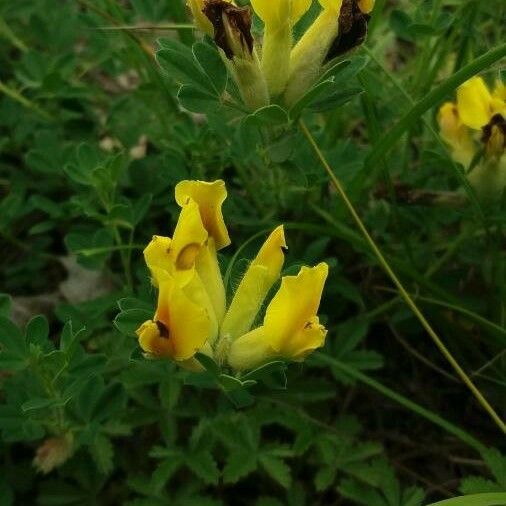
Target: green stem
<point x="403" y="401"/>
<point x="403" y="292"/>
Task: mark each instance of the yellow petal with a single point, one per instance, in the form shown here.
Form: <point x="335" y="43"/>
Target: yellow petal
<point x="180" y="327"/>
<point x="208" y="269"/>
<point x="209" y="198"/>
<point x="157" y="256"/>
<point x="366" y="6"/>
<point x="250" y="350"/>
<point x="189" y="236"/>
<point x="201" y="21"/>
<point x="152" y="341"/>
<point x="474" y="103"/>
<point x="262" y="273"/>
<point x="308" y="339"/>
<point x="294" y="305"/>
<point x="274" y="12"/>
<point x="456" y="134"/>
<point x="334" y="5"/>
<point x="255" y="348"/>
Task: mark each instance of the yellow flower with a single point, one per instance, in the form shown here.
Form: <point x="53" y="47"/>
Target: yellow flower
<point x="340" y="27"/>
<point x="191" y="314"/>
<point x="279" y="17"/>
<point x="261" y="275"/>
<point x="477" y="109"/>
<point x="291" y="329"/>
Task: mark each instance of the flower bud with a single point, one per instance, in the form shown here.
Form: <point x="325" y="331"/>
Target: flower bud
<point x="53" y="453"/>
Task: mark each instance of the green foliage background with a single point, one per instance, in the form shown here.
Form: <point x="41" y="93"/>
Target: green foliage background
<point x="95" y="133"/>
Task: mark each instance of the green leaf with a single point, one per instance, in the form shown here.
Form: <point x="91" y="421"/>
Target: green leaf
<point x="495" y="499"/>
<point x="240" y="463"/>
<point x="5" y="305"/>
<point x="13" y="349"/>
<point x="212" y="65"/>
<point x="181" y="67"/>
<point x="277" y="469"/>
<point x="271" y="115"/>
<point x="37" y="330"/>
<point x="35" y="404"/>
<point x="208" y="364"/>
<point x="102" y="452"/>
<point x="196" y="100"/>
<point x="163" y="472"/>
<point x="204" y="466"/>
<point x="127" y="322"/>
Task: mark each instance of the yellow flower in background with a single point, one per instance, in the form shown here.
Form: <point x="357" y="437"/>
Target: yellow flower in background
<point x="279" y="17"/>
<point x="478" y="120"/>
<point x="191" y="314"/>
<point x="291" y="329"/>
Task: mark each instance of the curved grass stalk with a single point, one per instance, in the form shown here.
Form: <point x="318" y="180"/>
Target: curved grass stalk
<point x="403" y="401"/>
<point x="400" y="287"/>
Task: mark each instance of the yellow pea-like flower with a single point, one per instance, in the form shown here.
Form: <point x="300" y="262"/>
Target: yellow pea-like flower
<point x="261" y="275"/>
<point x="291" y="329"/>
<point x="478" y="116"/>
<point x="191" y="314"/>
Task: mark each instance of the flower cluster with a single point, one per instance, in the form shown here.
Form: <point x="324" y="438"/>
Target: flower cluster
<point x="192" y="314"/>
<point x="284" y="71"/>
<point x="476" y="124"/>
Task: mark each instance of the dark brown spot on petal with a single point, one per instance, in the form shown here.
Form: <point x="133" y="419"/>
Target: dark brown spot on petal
<point x="352" y="29"/>
<point x="238" y="20"/>
<point x="164" y="331"/>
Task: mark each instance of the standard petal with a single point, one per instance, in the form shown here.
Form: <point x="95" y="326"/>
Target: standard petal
<point x="262" y="273"/>
<point x="209" y="198"/>
<point x="474" y="103"/>
<point x="189" y="236"/>
<point x="294" y="305"/>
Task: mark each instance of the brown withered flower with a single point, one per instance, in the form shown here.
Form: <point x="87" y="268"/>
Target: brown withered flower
<point x="232" y="27"/>
<point x="352" y="29"/>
